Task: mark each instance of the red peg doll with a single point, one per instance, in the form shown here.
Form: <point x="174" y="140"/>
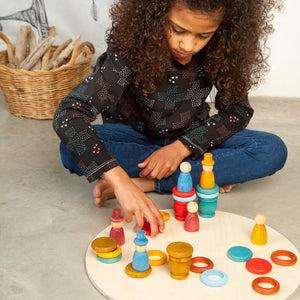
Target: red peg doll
<point x="117" y="231"/>
<point x="191" y="223"/>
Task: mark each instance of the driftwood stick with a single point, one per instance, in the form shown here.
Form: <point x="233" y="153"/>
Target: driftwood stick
<point x="11" y="57"/>
<point x="58" y="50"/>
<point x="21" y="45"/>
<point x="46" y="56"/>
<point x="66" y="52"/>
<point x="31" y="60"/>
<point x="32" y="46"/>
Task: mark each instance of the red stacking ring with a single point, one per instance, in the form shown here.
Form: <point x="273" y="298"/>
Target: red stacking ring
<point x="284" y="262"/>
<point x="266" y="291"/>
<point x="201" y="259"/>
<point x="183" y="194"/>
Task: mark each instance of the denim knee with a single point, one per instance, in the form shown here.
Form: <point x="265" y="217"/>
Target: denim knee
<point x="276" y="153"/>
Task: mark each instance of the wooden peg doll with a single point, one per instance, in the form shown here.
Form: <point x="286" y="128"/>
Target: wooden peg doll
<point x="117" y="231"/>
<point x="191" y="223"/>
<point x="207" y="178"/>
<point x="259" y="232"/>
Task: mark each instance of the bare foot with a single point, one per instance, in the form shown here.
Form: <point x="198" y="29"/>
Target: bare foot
<point x="102" y="192"/>
<point x="226" y="188"/>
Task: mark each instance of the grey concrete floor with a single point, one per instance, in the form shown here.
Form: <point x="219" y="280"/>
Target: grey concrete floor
<point x="48" y="218"/>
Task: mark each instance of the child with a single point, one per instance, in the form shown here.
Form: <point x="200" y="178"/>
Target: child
<point x="163" y="58"/>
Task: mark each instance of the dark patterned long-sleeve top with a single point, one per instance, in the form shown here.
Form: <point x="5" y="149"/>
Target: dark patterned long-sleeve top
<point x="177" y="108"/>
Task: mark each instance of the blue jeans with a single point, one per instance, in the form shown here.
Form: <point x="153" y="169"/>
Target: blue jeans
<point x="245" y="156"/>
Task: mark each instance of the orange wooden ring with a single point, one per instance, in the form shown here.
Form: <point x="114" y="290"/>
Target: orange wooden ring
<point x="266" y="291"/>
<point x="201" y="259"/>
<point x="165" y="215"/>
<point x="157" y="262"/>
<point x="283" y="262"/>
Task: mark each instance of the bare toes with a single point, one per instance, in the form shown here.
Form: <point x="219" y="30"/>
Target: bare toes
<point x="98" y="202"/>
<point x="102" y="192"/>
<point x="226" y="188"/>
<point x="97" y="189"/>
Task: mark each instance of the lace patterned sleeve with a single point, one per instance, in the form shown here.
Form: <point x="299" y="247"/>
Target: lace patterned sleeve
<point x="218" y="128"/>
<point x="72" y="120"/>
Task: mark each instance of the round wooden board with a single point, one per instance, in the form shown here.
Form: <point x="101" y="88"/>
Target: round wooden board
<point x="215" y="237"/>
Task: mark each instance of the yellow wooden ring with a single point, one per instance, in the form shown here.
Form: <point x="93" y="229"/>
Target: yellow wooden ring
<point x="112" y="254"/>
<point x="165" y="215"/>
<point x="157" y="262"/>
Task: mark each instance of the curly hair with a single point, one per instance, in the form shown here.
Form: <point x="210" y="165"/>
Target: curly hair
<point x="235" y="58"/>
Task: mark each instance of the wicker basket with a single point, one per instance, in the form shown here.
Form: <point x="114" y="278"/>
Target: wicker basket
<point x="36" y="94"/>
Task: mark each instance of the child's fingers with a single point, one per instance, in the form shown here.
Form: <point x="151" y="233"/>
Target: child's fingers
<point x="144" y="163"/>
<point x="148" y="170"/>
<point x="156" y="220"/>
<point x="153" y="224"/>
<point x="161" y="222"/>
<point x="139" y="219"/>
<point x="128" y="217"/>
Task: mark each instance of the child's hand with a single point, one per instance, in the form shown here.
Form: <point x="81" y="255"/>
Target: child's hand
<point x="134" y="201"/>
<point x="164" y="161"/>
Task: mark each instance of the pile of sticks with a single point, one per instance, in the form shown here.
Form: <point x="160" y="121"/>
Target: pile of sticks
<point x="28" y="55"/>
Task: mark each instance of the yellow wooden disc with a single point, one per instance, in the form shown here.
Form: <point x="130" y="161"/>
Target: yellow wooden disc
<point x="136" y="274"/>
<point x="157" y="262"/>
<point x="180" y="249"/>
<point x="112" y="254"/>
<point x="165" y="215"/>
<point x="104" y="244"/>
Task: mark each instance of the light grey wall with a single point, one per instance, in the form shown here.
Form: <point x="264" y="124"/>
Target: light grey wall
<point x="71" y="17"/>
<point x="283" y="80"/>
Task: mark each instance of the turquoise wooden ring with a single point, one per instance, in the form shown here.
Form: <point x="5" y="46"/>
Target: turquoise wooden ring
<point x="109" y="260"/>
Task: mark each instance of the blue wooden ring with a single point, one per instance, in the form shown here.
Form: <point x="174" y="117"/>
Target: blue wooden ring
<point x="109" y="260"/>
<point x="206" y="196"/>
<point x="213" y="272"/>
<point x="184" y="199"/>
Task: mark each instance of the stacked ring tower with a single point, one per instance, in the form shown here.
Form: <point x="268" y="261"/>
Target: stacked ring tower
<point x="207" y="189"/>
<point x="107" y="249"/>
<point x="184" y="192"/>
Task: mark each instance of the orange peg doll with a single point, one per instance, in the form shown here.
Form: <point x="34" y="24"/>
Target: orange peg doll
<point x="207" y="179"/>
<point x="259" y="232"/>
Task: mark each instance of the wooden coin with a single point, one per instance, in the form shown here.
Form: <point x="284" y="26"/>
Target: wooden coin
<point x="104" y="244"/>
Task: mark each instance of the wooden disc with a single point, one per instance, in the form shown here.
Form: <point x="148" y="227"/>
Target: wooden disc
<point x="104" y="244"/>
<point x="136" y="274"/>
<point x="180" y="249"/>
